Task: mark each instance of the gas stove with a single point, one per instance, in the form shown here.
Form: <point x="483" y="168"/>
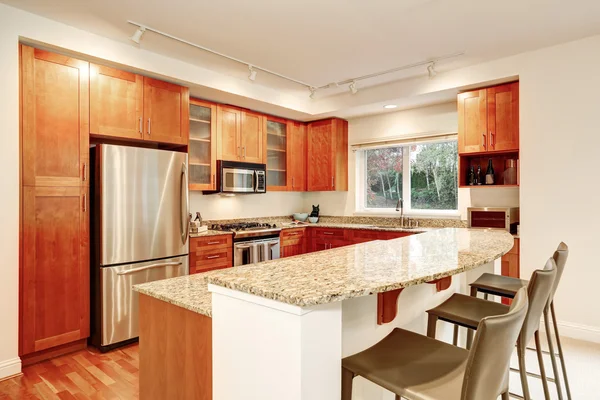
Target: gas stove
<point x="248" y="229"/>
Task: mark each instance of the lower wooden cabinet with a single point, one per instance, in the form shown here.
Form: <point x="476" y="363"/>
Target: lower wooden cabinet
<point x="210" y="252"/>
<point x="55" y="287"/>
<point x="293" y="242"/>
<point x="511" y="265"/>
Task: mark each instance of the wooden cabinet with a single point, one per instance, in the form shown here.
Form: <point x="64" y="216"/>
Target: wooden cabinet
<point x="54" y="292"/>
<point x="296" y="156"/>
<point x="488" y="119"/>
<point x="240" y="135"/>
<point x="327" y="155"/>
<point x="116" y="103"/>
<point x="202" y="148"/>
<point x="293" y="242"/>
<point x="128" y="106"/>
<point x="278" y="153"/>
<point x="166" y="112"/>
<point x="511" y="264"/>
<point x="210" y="252"/>
<point x="55" y="119"/>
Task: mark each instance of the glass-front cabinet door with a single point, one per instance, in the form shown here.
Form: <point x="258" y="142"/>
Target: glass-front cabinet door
<point x="202" y="151"/>
<point x="277" y="157"/>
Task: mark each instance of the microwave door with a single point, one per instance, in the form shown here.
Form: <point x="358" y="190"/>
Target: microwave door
<point x="237" y="180"/>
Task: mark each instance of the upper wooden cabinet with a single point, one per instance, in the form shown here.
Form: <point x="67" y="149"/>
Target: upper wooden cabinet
<point x="55" y="287"/>
<point x="129" y="106"/>
<point x="488" y="119"/>
<point x="166" y="112"/>
<point x="240" y="135"/>
<point x="327" y="155"/>
<point x="278" y="140"/>
<point x="116" y="103"/>
<point x="296" y="156"/>
<point x="55" y="119"/>
<point x="202" y="147"/>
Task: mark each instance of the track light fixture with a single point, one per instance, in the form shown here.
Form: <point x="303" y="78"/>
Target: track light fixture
<point x="312" y="90"/>
<point x="431" y="70"/>
<point x="138" y="34"/>
<point x="252" y="74"/>
<point x="352" y="87"/>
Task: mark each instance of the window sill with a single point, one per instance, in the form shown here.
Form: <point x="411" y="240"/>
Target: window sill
<point x="391" y="213"/>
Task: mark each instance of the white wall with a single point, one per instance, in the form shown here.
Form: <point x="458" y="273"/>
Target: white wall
<point x="272" y="204"/>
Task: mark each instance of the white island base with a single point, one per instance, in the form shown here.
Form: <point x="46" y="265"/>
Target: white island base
<point x="268" y="350"/>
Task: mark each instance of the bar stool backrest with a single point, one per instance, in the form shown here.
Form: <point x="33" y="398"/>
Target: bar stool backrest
<point x="489" y="358"/>
<point x="538" y="290"/>
<point x="560" y="257"/>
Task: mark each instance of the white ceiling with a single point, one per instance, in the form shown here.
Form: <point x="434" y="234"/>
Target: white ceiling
<point x="320" y="41"/>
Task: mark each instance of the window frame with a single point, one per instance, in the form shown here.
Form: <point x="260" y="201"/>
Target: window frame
<point x="360" y="200"/>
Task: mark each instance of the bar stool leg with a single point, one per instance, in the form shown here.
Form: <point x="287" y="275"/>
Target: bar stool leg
<point x="560" y="350"/>
<point x="347" y="378"/>
<point x="431" y="325"/>
<point x="486" y="296"/>
<point x="553" y="358"/>
<point x="473" y="291"/>
<point x="523" y="370"/>
<point x="540" y="356"/>
<point x="455" y="337"/>
<point x="505" y="396"/>
<point x="469" y="338"/>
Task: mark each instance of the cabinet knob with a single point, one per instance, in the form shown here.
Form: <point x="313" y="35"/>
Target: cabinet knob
<point x="148" y="126"/>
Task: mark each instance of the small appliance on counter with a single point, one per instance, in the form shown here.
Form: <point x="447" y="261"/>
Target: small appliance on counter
<point x="234" y="177"/>
<point x="494" y="218"/>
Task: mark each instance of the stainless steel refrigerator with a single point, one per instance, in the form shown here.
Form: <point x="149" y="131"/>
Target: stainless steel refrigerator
<point x="139" y="233"/>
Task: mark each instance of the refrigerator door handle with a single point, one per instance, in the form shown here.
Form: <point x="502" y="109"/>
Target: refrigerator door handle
<point x="134" y="270"/>
<point x="185" y="227"/>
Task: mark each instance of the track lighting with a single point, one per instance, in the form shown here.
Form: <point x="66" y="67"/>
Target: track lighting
<point x="431" y="70"/>
<point x="312" y="90"/>
<point x="252" y="74"/>
<point x="352" y="87"/>
<point x="138" y="34"/>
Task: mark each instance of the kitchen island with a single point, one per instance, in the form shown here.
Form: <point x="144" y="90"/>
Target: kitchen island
<point x="279" y="329"/>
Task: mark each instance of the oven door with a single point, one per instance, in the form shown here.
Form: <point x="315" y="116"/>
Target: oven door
<point x="236" y="180"/>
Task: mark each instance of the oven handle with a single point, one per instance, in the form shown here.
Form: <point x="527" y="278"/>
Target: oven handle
<point x="240" y="246"/>
<point x="273" y="243"/>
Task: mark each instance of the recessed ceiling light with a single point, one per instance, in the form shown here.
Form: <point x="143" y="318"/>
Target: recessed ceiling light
<point x="388" y="106"/>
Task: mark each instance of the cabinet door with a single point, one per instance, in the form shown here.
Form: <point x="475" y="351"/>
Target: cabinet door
<point x="202" y="148"/>
<point x="166" y="112"/>
<point x="252" y="138"/>
<point x="116" y="101"/>
<point x="472" y="122"/>
<point x="297" y="156"/>
<point x="278" y="162"/>
<point x="55" y="119"/>
<point x="55" y="267"/>
<point x="320" y="149"/>
<point x="229" y="122"/>
<point x="503" y="117"/>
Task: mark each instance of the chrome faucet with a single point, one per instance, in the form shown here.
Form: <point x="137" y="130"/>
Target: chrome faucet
<point x="400" y="207"/>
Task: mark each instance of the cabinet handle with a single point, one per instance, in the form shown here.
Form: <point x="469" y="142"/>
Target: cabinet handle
<point x="84" y="202"/>
<point x="492" y="139"/>
<point x="239" y="152"/>
<point x="148" y="126"/>
<point x="213" y="257"/>
<point x="483" y="135"/>
<point x="332" y="182"/>
<point x="327" y="233"/>
<point x="213" y="243"/>
<point x="141" y="127"/>
<point x="84" y="172"/>
<point x="292" y="182"/>
<point x="292" y="234"/>
<point x="213" y="179"/>
<point x="244" y="149"/>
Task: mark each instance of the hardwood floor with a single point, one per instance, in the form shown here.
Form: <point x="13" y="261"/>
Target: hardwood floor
<point x="86" y="374"/>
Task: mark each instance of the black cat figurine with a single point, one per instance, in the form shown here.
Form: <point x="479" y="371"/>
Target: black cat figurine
<point x="315" y="211"/>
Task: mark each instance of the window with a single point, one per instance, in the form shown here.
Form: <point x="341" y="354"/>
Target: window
<point x="424" y="175"/>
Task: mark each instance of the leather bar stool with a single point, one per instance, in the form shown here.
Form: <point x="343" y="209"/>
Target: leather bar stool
<point x="417" y="367"/>
<point x="507" y="287"/>
<point x="468" y="311"/>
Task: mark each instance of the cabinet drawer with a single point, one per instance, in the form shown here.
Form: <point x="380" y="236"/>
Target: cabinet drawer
<point x="324" y="233"/>
<point x="292" y="233"/>
<point x="210" y="243"/>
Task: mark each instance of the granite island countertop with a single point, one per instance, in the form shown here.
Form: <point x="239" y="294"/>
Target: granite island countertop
<point x="343" y="273"/>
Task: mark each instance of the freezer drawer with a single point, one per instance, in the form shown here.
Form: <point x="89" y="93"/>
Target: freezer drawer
<point x="120" y="304"/>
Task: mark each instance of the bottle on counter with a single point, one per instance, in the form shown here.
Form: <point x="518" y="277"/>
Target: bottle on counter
<point x="478" y="176"/>
<point x="471" y="176"/>
<point x="489" y="174"/>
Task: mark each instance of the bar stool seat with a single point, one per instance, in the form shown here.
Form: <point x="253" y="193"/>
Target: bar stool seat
<point x="465" y="310"/>
<point x="413" y="366"/>
<point x="497" y="285"/>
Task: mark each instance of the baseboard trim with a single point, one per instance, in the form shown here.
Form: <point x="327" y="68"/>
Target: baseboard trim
<point x="10" y="368"/>
<point x="577" y="331"/>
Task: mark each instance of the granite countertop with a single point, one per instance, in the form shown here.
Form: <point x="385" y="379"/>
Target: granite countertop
<point x="210" y="233"/>
<point x="343" y="273"/>
<point x="367" y="268"/>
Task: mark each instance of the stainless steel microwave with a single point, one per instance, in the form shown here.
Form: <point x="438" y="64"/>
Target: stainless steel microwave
<point x="241" y="177"/>
<point x="494" y="218"/>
